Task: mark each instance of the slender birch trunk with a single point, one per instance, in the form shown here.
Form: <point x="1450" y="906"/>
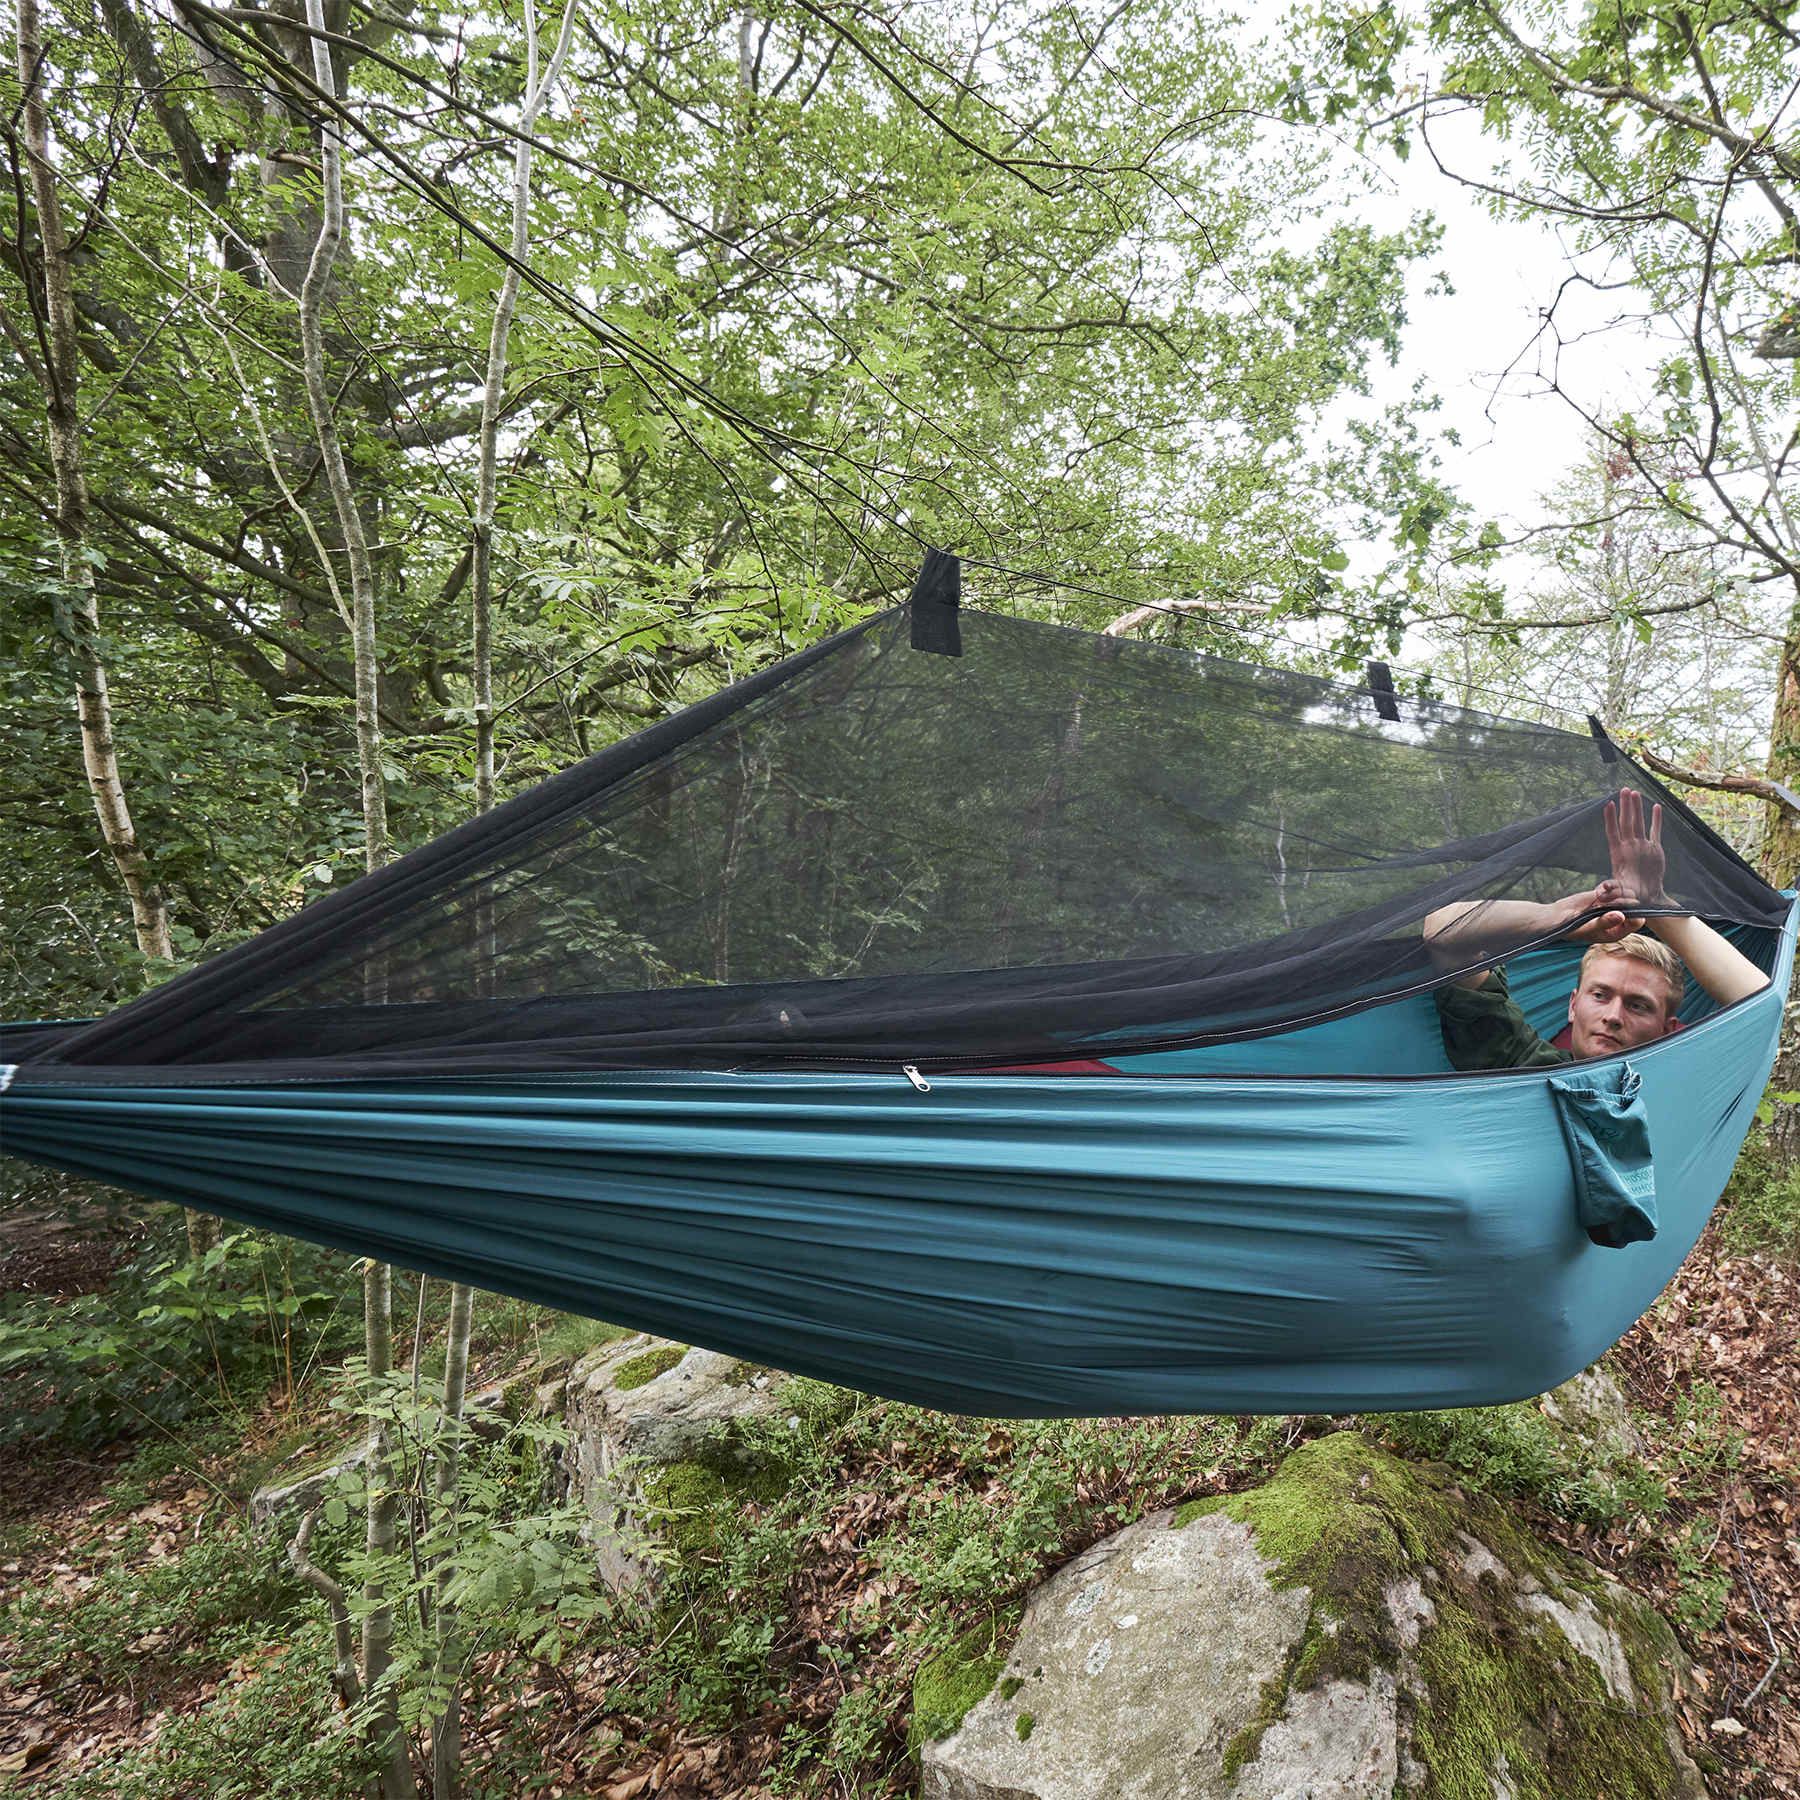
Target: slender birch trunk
<point x="383" y="1511"/>
<point x="78" y="617"/>
<point x="78" y="612"/>
<point x="446" y="1744"/>
<point x="446" y="1736"/>
<point x="378" y="1296"/>
<point x="331" y="452"/>
<point x="537" y="92"/>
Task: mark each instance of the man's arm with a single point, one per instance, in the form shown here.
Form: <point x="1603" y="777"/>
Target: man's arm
<point x="1461" y="932"/>
<point x="1467" y="929"/>
<point x="1639" y="864"/>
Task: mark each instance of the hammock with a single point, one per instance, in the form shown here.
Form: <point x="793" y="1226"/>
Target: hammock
<point x="975" y="1012"/>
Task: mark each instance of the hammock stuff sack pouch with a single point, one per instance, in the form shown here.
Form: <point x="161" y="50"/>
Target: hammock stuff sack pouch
<point x="632" y="1044"/>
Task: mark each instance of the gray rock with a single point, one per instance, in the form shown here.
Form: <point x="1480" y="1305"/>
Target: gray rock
<point x="1135" y="1664"/>
<point x="645" y="1411"/>
<point x="286" y="1502"/>
<point x="1356" y="1629"/>
<point x="1591" y="1409"/>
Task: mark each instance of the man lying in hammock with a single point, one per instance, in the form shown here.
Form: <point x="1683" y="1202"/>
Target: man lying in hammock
<point x="1630" y="983"/>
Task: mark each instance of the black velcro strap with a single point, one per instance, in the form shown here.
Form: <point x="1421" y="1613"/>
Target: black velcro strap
<point x="1381" y="689"/>
<point x="935" y="597"/>
<point x="1607" y="752"/>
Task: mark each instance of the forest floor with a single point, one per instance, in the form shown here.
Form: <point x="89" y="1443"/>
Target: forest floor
<point x="99" y="1669"/>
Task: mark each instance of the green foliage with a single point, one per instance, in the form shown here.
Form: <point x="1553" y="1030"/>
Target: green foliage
<point x="571" y="1337"/>
<point x="148" y="1616"/>
<point x="1517" y="1450"/>
<point x="1648" y="139"/>
<point x="1704" y="1587"/>
<point x="1004" y="1503"/>
<point x="1760" y="1210"/>
<point x="272" y="1732"/>
<point x="501" y="1550"/>
<point x="1080" y="330"/>
<point x="169" y="1337"/>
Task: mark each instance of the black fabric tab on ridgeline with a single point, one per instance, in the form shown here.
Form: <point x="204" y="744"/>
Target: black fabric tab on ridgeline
<point x="1381" y="689"/>
<point x="936" y="596"/>
<point x="1607" y="752"/>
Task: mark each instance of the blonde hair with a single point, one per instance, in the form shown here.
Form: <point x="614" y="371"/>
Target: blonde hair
<point x="1643" y="948"/>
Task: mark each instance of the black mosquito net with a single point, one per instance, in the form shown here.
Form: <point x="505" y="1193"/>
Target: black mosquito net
<point x="946" y="837"/>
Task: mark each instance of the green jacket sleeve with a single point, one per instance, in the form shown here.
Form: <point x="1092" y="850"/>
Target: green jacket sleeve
<point x="1484" y="1029"/>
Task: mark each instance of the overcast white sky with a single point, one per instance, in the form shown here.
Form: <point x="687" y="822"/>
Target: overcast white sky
<point x="1476" y="348"/>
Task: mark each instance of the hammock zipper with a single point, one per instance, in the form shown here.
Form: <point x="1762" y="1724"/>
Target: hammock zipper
<point x="915" y="1078"/>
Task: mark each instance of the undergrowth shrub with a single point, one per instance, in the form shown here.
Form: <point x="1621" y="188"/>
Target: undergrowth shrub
<point x="1760" y="1209"/>
<point x="195" y="1610"/>
<point x="963" y="1517"/>
<point x="272" y="1731"/>
<point x="170" y="1338"/>
<point x="1517" y="1450"/>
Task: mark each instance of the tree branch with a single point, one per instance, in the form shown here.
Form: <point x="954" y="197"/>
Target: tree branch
<point x="349" y="1687"/>
<point x="1759" y="785"/>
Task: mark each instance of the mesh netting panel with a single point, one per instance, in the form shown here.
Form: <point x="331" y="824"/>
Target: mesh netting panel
<point x="1051" y="844"/>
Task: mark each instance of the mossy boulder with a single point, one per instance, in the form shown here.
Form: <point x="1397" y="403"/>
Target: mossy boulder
<point x="1358" y="1628"/>
<point x="656" y="1447"/>
<point x="1591" y="1409"/>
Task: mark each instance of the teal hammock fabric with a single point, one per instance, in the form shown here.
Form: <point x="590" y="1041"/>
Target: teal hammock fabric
<point x="1022" y="1245"/>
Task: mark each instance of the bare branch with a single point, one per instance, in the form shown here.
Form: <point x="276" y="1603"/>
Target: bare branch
<point x="1759" y="785"/>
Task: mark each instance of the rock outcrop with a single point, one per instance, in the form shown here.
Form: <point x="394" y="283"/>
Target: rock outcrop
<point x="1590" y="1409"/>
<point x="488" y="1412"/>
<point x="654" y="1441"/>
<point x="1356" y="1629"/>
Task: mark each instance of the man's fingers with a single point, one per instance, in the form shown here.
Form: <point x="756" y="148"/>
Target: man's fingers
<point x="1656" y="823"/>
<point x="1611" y="816"/>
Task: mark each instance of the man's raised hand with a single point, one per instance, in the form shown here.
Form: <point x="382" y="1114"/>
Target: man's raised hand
<point x="1639" y="863"/>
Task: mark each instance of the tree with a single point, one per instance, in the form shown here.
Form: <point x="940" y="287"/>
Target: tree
<point x="51" y="353"/>
<point x="1660" y="138"/>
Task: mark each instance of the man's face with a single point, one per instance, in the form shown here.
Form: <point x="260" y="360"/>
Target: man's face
<point x="1620" y="1004"/>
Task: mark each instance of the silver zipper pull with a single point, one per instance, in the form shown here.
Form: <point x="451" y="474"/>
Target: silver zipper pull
<point x="915" y="1078"/>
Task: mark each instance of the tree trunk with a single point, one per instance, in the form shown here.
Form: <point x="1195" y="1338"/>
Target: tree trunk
<point x="1781" y="868"/>
<point x="446" y="1738"/>
<point x="77" y="614"/>
<point x="383" y="1717"/>
<point x="77" y="611"/>
<point x="378" y="1539"/>
<point x="446" y="1743"/>
<point x="331" y="453"/>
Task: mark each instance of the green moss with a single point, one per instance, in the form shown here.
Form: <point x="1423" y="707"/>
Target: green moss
<point x="1348" y="1521"/>
<point x="951" y="1682"/>
<point x="1270" y="1706"/>
<point x="1024" y="1724"/>
<point x="682" y="1500"/>
<point x="742" y="1374"/>
<point x="1010" y="1686"/>
<point x="1536" y="1705"/>
<point x="1191" y="1510"/>
<point x="639" y="1371"/>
